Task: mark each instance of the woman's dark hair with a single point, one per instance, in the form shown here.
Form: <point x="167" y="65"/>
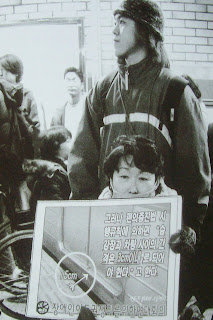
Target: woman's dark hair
<point x="13" y="64"/>
<point x="144" y="152"/>
<point x="50" y="141"/>
<point x="153" y="44"/>
<point x="76" y="71"/>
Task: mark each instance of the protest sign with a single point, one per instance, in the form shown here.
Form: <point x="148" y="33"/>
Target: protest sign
<point x="110" y="256"/>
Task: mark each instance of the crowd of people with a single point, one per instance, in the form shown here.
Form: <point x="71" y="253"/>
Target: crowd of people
<point x="140" y="132"/>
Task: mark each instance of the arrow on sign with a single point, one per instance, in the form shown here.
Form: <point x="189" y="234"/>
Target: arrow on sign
<point x="72" y="286"/>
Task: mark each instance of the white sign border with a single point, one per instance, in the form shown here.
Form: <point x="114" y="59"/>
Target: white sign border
<point x="174" y="259"/>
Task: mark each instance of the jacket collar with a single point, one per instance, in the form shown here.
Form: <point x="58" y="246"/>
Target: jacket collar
<point x="143" y="70"/>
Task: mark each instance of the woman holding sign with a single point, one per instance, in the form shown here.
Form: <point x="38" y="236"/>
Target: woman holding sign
<point x="135" y="169"/>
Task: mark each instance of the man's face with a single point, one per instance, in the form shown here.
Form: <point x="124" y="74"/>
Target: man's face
<point x="73" y="83"/>
<point x="124" y="37"/>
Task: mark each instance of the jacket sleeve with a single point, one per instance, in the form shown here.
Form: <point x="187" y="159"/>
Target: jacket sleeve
<point x="55" y="188"/>
<point x="210" y="143"/>
<point x="192" y="165"/>
<point x="30" y="110"/>
<point x="84" y="157"/>
<point x="33" y="114"/>
<point x="4" y="122"/>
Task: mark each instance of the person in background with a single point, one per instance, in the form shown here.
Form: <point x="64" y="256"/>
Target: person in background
<point x="43" y="179"/>
<point x="204" y="257"/>
<point x="47" y="177"/>
<point x="12" y="152"/>
<point x="13" y="134"/>
<point x="16" y="137"/>
<point x="70" y="113"/>
<point x="203" y="278"/>
<point x="12" y="69"/>
<point x="129" y="101"/>
<point x="204" y="262"/>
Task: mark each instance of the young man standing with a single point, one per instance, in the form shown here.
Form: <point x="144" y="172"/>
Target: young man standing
<point x="130" y="101"/>
<point x="70" y="113"/>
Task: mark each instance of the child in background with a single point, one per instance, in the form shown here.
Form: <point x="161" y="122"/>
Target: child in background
<point x="55" y="144"/>
<point x="47" y="177"/>
<point x="44" y="179"/>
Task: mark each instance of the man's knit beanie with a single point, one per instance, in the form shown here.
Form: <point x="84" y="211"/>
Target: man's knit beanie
<point x="146" y="12"/>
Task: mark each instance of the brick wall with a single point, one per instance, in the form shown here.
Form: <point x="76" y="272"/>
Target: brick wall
<point x="189" y="35"/>
<point x="188" y="30"/>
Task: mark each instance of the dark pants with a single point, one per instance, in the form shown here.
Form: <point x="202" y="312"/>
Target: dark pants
<point x="186" y="283"/>
<point x="204" y="264"/>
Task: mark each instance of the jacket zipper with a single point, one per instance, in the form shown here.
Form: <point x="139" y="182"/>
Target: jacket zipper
<point x="126" y="79"/>
<point x="129" y="126"/>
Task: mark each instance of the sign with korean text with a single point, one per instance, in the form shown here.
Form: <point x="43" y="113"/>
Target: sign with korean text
<point x="109" y="256"/>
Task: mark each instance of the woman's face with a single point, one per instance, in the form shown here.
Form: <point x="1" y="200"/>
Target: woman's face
<point x="131" y="182"/>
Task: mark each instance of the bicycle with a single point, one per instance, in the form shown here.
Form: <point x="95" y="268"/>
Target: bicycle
<point x="15" y="250"/>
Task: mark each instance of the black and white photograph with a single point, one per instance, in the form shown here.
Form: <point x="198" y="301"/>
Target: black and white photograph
<point x="103" y="100"/>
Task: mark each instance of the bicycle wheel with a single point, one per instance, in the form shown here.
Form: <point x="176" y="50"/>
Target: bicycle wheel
<point x="5" y="223"/>
<point x="5" y="228"/>
<point x="15" y="255"/>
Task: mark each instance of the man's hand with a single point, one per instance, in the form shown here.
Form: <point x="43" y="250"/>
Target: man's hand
<point x="183" y="241"/>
